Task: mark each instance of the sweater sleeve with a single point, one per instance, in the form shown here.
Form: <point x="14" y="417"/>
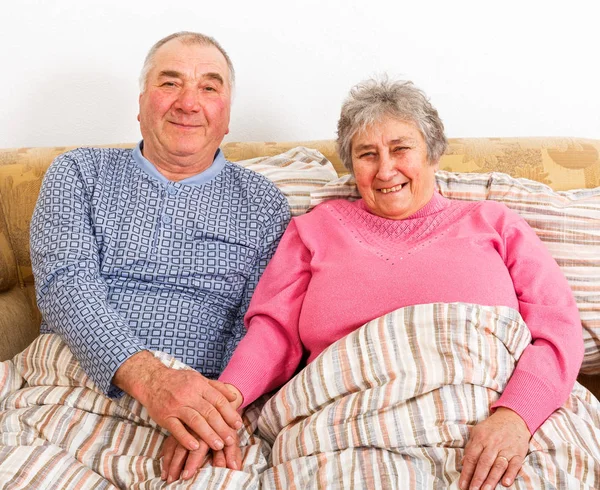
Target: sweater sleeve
<point x="547" y="369"/>
<point x="279" y="213"/>
<point x="71" y="294"/>
<point x="271" y="350"/>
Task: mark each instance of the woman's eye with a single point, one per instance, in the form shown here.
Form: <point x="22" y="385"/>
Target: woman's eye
<point x="365" y="155"/>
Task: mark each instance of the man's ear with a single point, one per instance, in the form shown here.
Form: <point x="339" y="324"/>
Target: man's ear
<point x="139" y="105"/>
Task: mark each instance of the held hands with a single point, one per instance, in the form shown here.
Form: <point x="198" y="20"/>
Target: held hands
<point x="496" y="450"/>
<point x="177" y="461"/>
<point x="181" y="401"/>
<point x="187" y="404"/>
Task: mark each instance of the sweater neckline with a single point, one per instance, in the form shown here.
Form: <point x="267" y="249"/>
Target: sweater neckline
<point x="389" y="238"/>
<point x="436" y="204"/>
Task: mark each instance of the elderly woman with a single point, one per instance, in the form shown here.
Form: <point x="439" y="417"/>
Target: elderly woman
<point x="408" y="245"/>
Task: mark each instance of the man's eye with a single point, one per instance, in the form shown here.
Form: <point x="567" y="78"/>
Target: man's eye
<point x="367" y="154"/>
<point x="401" y="148"/>
<point x="168" y="84"/>
<point x="210" y="89"/>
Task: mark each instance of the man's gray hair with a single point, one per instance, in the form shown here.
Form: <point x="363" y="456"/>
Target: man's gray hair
<point x="374" y="99"/>
<point x="185" y="37"/>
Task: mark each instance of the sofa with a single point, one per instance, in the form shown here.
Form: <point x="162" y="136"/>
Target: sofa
<point x="560" y="163"/>
<point x="399" y="420"/>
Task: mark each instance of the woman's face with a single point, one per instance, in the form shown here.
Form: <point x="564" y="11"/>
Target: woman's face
<point x="393" y="175"/>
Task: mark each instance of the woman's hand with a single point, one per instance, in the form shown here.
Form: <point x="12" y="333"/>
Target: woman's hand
<point x="179" y="462"/>
<point x="496" y="450"/>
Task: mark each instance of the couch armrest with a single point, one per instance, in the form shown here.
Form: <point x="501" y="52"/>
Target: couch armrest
<point x="18" y="322"/>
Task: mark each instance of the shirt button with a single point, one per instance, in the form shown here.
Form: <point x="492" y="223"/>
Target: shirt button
<point x="166" y="219"/>
<point x="171" y="191"/>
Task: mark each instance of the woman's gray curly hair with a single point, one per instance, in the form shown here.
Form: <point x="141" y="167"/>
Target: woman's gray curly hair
<point x="372" y="100"/>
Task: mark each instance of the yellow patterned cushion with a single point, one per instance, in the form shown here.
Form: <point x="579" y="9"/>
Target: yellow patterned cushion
<point x="562" y="163"/>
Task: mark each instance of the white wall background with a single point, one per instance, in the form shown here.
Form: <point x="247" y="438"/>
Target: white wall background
<point x="511" y="68"/>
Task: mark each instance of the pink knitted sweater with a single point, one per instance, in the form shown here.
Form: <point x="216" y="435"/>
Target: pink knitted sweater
<point x="340" y="266"/>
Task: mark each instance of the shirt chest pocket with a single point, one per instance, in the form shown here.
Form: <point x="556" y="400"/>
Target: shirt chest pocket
<point x="224" y="259"/>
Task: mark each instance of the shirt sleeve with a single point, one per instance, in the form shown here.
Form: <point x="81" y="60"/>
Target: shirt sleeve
<point x="271" y="350"/>
<point x="279" y="213"/>
<point x="71" y="294"/>
<point x="547" y="369"/>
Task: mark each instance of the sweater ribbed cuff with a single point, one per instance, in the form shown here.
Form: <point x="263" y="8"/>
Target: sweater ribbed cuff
<point x="530" y="397"/>
<point x="248" y="376"/>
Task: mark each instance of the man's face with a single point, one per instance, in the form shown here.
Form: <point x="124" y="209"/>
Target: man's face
<point x="185" y="107"/>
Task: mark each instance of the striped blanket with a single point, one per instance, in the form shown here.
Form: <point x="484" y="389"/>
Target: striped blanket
<point x="389" y="406"/>
<point x="58" y="432"/>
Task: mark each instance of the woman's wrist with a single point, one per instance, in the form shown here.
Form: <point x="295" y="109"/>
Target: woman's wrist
<point x="239" y="399"/>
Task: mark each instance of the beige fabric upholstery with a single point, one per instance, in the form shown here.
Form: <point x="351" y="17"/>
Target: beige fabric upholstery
<point x="562" y="163"/>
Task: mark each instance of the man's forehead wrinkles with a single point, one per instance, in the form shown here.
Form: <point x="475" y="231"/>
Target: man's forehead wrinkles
<point x="192" y="61"/>
<point x="200" y="76"/>
<point x="212" y="72"/>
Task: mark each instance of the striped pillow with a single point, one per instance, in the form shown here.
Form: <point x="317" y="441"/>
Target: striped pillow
<point x="568" y="222"/>
<point x="341" y="188"/>
<point x="297" y="173"/>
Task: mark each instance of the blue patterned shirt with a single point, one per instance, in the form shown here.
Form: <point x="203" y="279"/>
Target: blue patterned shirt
<point x="126" y="260"/>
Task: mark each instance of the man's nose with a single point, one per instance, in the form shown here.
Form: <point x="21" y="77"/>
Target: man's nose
<point x="387" y="168"/>
<point x="189" y="100"/>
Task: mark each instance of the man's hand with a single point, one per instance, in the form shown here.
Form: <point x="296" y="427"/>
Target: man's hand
<point x="496" y="450"/>
<point x="178" y="462"/>
<point x="179" y="400"/>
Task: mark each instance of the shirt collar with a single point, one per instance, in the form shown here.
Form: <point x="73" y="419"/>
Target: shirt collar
<point x="198" y="179"/>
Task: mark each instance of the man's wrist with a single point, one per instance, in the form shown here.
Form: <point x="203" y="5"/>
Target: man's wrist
<point x="136" y="374"/>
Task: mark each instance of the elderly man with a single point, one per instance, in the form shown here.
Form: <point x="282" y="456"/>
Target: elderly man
<point x="160" y="247"/>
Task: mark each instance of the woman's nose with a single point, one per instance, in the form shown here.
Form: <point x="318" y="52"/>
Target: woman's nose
<point x="387" y="168"/>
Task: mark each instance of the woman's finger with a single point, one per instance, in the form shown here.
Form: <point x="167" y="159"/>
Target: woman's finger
<point x="512" y="471"/>
<point x="484" y="465"/>
<point x="166" y="454"/>
<point x="496" y="472"/>
<point x="233" y="456"/>
<point x="195" y="460"/>
<point x="469" y="464"/>
<point x="219" y="459"/>
<point x="177" y="463"/>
